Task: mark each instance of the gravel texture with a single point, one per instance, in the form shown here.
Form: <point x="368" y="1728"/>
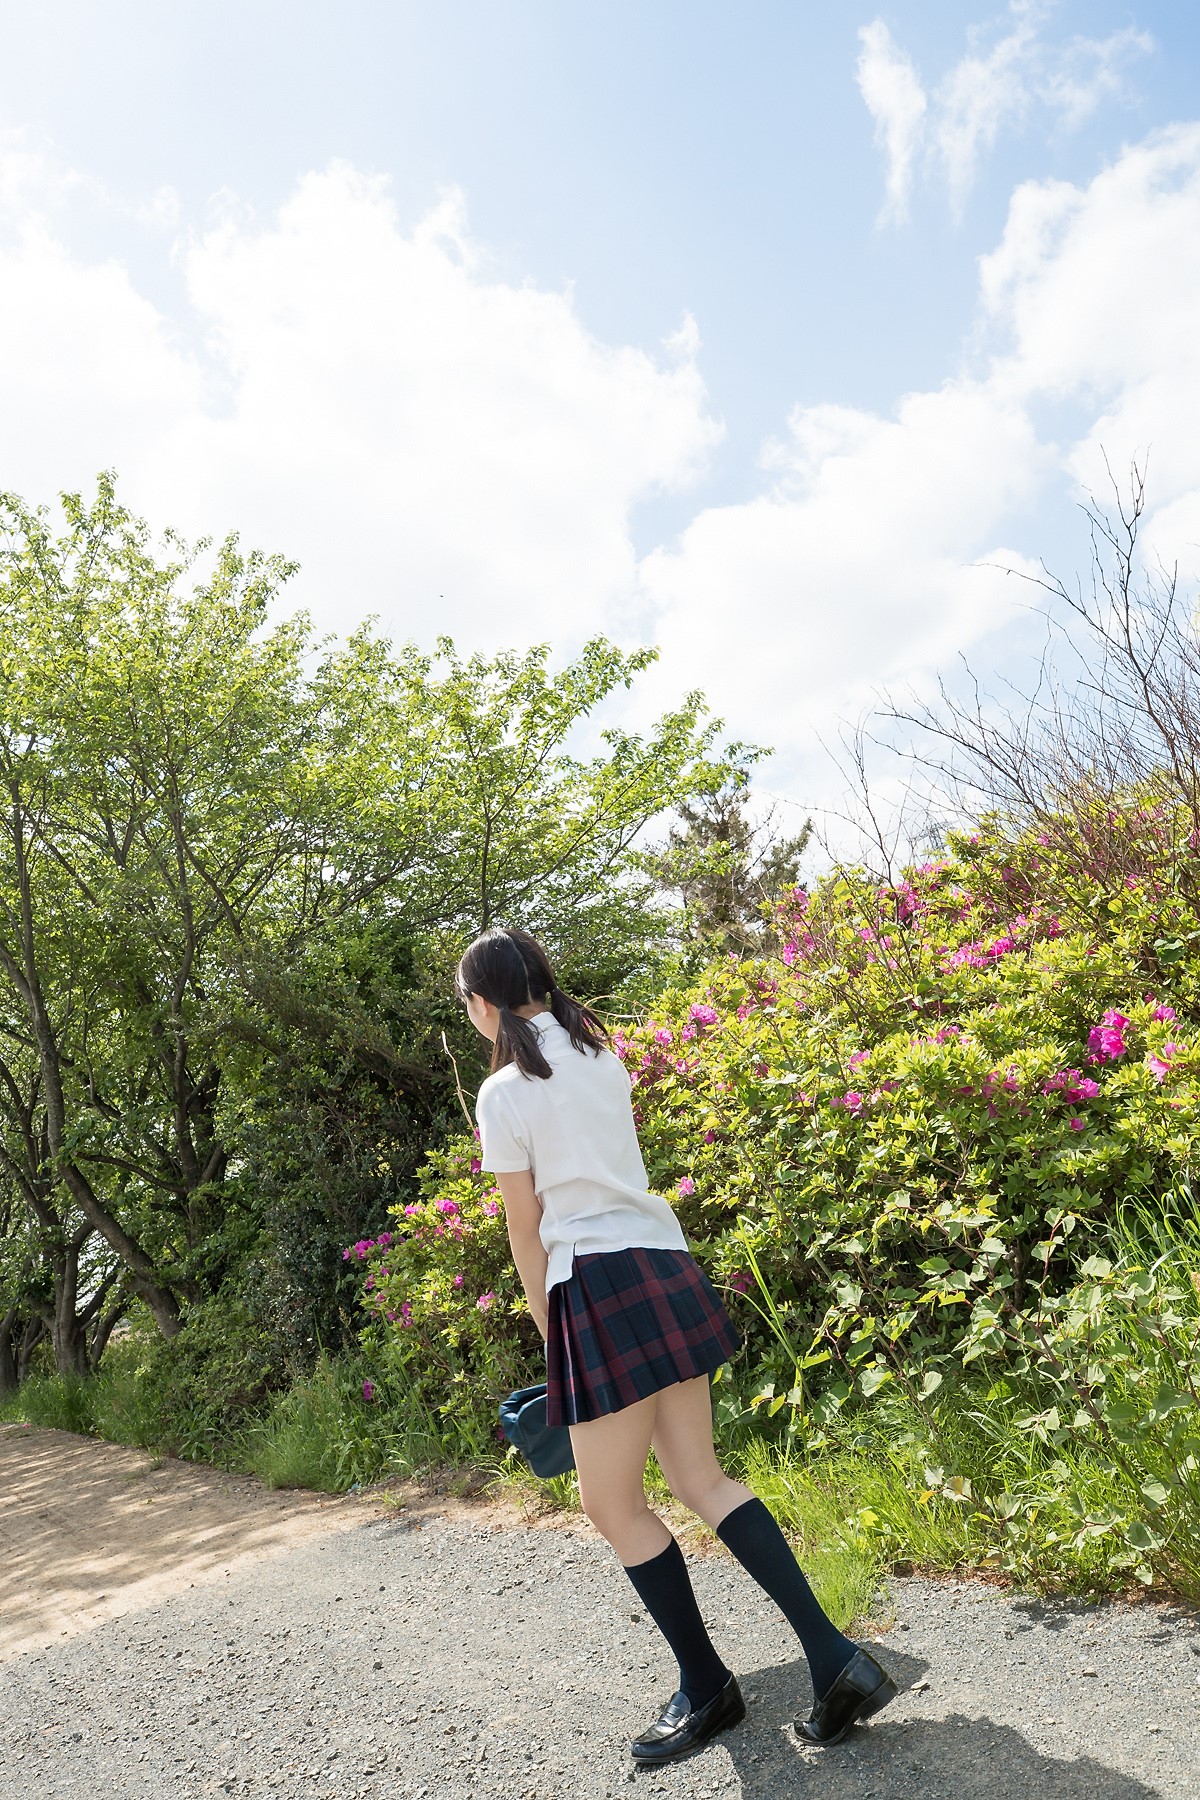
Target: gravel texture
<point x="452" y="1657"/>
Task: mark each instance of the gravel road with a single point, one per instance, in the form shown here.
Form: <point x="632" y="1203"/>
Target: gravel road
<point x="451" y="1656"/>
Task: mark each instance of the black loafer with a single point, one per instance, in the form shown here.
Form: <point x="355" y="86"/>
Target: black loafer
<point x="860" y="1690"/>
<point x="679" y="1729"/>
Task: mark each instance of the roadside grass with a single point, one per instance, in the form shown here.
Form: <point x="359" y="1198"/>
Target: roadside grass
<point x="954" y="1486"/>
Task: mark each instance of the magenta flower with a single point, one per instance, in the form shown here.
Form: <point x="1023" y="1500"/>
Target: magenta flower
<point x="345" y="1256"/>
<point x="791" y="951"/>
<point x="740" y="1281"/>
<point x="858" y="1056"/>
<point x="1161" y="1065"/>
<point x="852" y="1101"/>
<point x="663" y="1036"/>
<point x="405" y="1313"/>
<point x="1106" y="1041"/>
<point x="710" y="1137"/>
<point x="491" y="1207"/>
<point x="703" y="1015"/>
<point x="686" y="1187"/>
<point x="1072" y="1084"/>
<point x="447" y="1206"/>
<point x="1075" y="1124"/>
<point x="1164" y="1012"/>
<point x="476" y="1165"/>
<point x="484" y="1301"/>
<point x="411" y="1211"/>
<point x="458" y="1281"/>
<point x="368" y="1390"/>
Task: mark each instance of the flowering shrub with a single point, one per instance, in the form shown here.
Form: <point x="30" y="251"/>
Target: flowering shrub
<point x="440" y="1292"/>
<point x="898" y="1145"/>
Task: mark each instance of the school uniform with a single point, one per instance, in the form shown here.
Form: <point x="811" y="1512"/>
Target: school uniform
<point x="630" y="1310"/>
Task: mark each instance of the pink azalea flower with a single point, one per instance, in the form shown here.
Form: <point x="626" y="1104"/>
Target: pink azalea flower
<point x="703" y="1015"/>
<point x="686" y="1187"/>
<point x="663" y="1036"/>
<point x="491" y="1207"/>
<point x="857" y="1057"/>
<point x="710" y="1137"/>
<point x="476" y="1165"/>
<point x="368" y="1390"/>
<point x="1164" y="1012"/>
<point x="484" y="1301"/>
<point x="458" y="1281"/>
<point x="1161" y="1065"/>
<point x="1106" y="1041"/>
<point x="1075" y="1124"/>
<point x="447" y="1206"/>
<point x="740" y="1281"/>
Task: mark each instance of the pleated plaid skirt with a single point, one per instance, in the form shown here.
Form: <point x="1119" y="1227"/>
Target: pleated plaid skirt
<point x="627" y="1323"/>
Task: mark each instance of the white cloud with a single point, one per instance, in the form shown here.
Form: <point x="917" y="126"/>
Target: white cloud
<point x="869" y="558"/>
<point x="895" y="100"/>
<point x="364" y="398"/>
<point x="989" y="88"/>
<point x="375" y="401"/>
<point x="855" y="568"/>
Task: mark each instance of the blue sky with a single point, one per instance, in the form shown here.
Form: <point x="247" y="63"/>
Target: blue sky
<point x="403" y="275"/>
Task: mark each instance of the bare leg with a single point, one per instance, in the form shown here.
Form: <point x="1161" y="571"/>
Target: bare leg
<point x="610" y="1455"/>
<point x="683" y="1444"/>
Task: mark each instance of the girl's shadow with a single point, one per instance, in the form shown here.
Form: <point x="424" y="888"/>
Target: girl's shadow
<point x="894" y="1758"/>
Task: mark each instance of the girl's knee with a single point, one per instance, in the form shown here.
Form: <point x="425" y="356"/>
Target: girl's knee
<point x="613" y="1518"/>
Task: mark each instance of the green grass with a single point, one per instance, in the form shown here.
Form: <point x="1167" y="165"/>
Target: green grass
<point x="856" y="1501"/>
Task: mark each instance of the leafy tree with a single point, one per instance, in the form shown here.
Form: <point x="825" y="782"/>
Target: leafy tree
<point x="235" y="868"/>
<point x="728" y="869"/>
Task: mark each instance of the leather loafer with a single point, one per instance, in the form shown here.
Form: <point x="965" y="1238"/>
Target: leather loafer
<point x="860" y="1690"/>
<point x="680" y="1728"/>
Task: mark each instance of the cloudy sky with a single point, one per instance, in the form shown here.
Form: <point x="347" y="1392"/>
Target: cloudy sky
<point x="761" y="333"/>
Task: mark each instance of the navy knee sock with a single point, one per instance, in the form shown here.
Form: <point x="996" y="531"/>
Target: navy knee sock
<point x="753" y="1535"/>
<point x="665" y="1588"/>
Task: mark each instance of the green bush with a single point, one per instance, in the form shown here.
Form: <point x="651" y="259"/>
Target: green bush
<point x="197" y="1394"/>
<point x="908" y="1145"/>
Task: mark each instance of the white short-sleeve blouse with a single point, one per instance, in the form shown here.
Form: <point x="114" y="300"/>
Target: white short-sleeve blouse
<point x="575" y="1132"/>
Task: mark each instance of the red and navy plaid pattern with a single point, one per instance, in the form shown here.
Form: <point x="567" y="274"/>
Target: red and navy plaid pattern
<point x="627" y="1323"/>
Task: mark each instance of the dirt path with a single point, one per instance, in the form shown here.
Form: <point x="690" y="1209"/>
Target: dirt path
<point x="89" y="1531"/>
<point x="173" y="1634"/>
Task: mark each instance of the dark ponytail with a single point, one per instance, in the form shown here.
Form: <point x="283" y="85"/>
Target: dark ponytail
<point x="510" y="969"/>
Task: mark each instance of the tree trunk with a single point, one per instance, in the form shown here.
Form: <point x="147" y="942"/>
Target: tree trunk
<point x="8" y="1360"/>
<point x="32" y="1335"/>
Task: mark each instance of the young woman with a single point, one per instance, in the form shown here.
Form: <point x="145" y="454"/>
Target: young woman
<point x="633" y="1331"/>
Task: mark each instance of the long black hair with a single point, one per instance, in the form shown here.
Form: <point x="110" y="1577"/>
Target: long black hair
<point x="510" y="969"/>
